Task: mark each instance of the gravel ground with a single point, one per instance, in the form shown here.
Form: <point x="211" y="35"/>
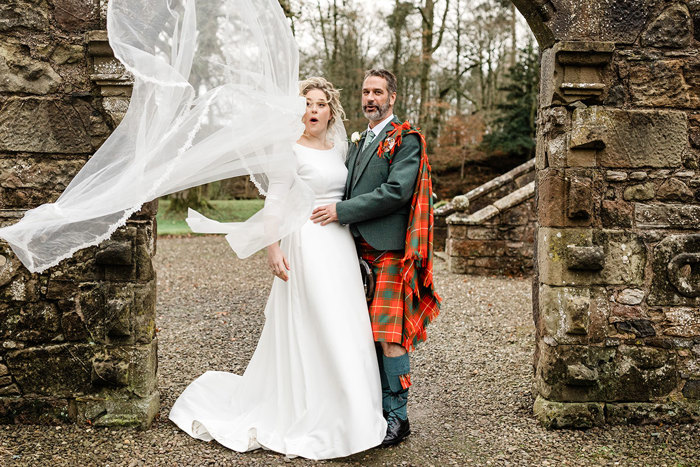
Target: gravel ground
<point x="470" y="402"/>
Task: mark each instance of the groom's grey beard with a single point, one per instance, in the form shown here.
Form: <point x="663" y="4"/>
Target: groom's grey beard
<point x="378" y="114"/>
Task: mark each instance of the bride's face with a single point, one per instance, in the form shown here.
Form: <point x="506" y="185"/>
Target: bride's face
<point x="318" y="112"/>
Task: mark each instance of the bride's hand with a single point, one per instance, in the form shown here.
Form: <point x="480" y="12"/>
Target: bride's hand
<point x="277" y="261"/>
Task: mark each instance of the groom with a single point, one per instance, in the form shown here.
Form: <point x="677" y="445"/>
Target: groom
<point x="383" y="169"/>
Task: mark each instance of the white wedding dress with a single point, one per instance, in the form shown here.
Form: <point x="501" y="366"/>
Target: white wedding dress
<point x="312" y="387"/>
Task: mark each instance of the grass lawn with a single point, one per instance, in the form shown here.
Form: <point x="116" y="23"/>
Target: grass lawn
<point x="234" y="210"/>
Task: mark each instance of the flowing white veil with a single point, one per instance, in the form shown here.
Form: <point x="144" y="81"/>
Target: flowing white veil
<point x="215" y="96"/>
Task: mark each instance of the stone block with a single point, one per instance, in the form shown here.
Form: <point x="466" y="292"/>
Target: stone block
<point x="641" y="192"/>
<point x="615" y="176"/>
<point x="68" y="54"/>
<point x="144" y="263"/>
<point x="585" y="258"/>
<point x="21" y="289"/>
<point x="11" y="390"/>
<point x="47" y="126"/>
<point x="9" y="265"/>
<point x="144" y="313"/>
<point x="624" y="257"/>
<point x="682" y="322"/>
<point x="663" y="83"/>
<point x="29" y="322"/>
<point x="616" y="213"/>
<point x="675" y="272"/>
<point x="114" y="253"/>
<point x="75" y="16"/>
<point x="579" y="200"/>
<point x="79" y="268"/>
<point x="53" y="370"/>
<point x="620" y="313"/>
<point x="581" y="158"/>
<point x="674" y="189"/>
<point x="475" y="248"/>
<point x="457" y="231"/>
<point x="565" y="312"/>
<point x="119" y="312"/>
<point x="35" y="410"/>
<point x="639" y="327"/>
<point x="477" y="233"/>
<point x="553" y="200"/>
<point x="26" y="14"/>
<point x="691" y="390"/>
<point x="630" y="296"/>
<point x="694" y="134"/>
<point x="457" y="264"/>
<point x="114" y="411"/>
<point x="552" y="414"/>
<point x="575" y="71"/>
<point x="38" y="172"/>
<point x="144" y="364"/>
<point x="24" y="74"/>
<point x="623" y="373"/>
<point x="520" y="215"/>
<point x="671" y="29"/>
<point x="73" y="326"/>
<point x="637" y="138"/>
<point x="678" y="216"/>
<point x="108" y="370"/>
<point x="657" y="413"/>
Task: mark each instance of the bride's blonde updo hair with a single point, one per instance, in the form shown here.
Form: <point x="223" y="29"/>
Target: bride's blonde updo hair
<point x="332" y="96"/>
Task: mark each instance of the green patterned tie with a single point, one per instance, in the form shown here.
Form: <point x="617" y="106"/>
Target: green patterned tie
<point x="368" y="139"/>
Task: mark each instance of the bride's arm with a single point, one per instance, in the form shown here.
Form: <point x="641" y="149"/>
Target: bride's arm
<point x="277" y="261"/>
<point x="279" y="186"/>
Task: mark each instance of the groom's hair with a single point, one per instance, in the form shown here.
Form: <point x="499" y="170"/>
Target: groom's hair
<point x="386" y="74"/>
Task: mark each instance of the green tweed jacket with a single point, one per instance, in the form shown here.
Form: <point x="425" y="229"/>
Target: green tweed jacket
<point x="378" y="191"/>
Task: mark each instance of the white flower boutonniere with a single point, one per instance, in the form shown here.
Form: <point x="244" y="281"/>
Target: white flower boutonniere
<point x="355" y="137"/>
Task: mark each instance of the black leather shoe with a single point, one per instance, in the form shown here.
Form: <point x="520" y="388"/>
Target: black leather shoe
<point x="396" y="431"/>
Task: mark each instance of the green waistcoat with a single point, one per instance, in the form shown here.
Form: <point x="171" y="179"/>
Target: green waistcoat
<point x="378" y="191"/>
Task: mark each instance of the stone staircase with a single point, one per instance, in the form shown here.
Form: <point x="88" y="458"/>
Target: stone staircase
<point x="490" y="230"/>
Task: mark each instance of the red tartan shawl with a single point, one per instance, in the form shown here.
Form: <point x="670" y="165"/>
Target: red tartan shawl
<point x="422" y="303"/>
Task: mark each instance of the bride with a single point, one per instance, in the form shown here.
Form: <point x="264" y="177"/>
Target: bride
<point x="312" y="387"/>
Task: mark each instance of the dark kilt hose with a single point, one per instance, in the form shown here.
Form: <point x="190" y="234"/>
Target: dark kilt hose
<point x="404" y="301"/>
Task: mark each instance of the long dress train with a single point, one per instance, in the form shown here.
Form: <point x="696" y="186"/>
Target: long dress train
<point x="312" y="387"/>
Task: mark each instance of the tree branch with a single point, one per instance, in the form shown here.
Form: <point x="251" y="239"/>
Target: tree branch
<point x="442" y="27"/>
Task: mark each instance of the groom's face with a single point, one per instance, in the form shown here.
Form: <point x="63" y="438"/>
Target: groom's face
<point x="377" y="103"/>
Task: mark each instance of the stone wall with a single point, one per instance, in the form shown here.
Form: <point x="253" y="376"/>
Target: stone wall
<point x="78" y="341"/>
<point x="617" y="292"/>
<point x="480" y="197"/>
<point x="495" y="240"/>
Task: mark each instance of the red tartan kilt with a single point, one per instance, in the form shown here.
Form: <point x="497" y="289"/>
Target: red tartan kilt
<point x="386" y="310"/>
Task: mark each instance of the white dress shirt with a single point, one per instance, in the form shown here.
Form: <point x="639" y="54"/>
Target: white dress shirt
<point x="380" y="126"/>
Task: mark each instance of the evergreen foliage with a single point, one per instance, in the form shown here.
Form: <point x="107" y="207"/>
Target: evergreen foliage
<point x="513" y="128"/>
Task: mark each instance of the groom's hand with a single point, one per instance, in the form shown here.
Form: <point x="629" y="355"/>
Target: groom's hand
<point x="324" y="214"/>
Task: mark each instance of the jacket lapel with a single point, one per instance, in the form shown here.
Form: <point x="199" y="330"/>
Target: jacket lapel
<point x="366" y="155"/>
<point x="353" y="154"/>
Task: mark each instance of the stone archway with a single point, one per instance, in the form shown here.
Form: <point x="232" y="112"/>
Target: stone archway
<point x="617" y="282"/>
<point x="617" y="252"/>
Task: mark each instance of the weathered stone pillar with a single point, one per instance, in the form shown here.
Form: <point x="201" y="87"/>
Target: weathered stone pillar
<point x="617" y="290"/>
<point x="78" y="341"/>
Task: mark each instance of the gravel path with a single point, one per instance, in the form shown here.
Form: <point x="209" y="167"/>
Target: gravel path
<point x="470" y="402"/>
